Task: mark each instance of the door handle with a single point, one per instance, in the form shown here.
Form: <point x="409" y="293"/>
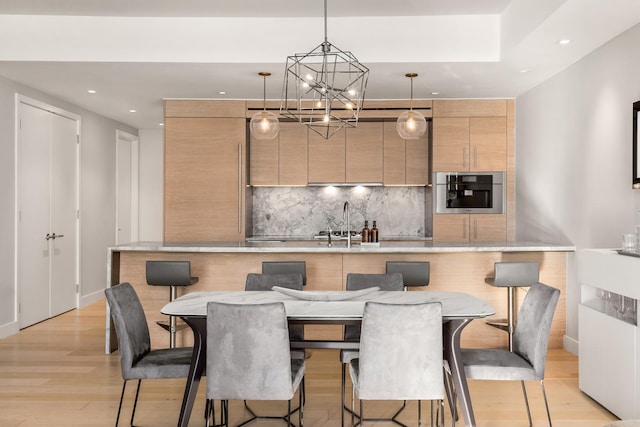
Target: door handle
<point x="48" y="237"/>
<point x="53" y="236"/>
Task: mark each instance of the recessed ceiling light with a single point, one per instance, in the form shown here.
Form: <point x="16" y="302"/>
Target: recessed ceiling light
<point x="91" y="91"/>
<point x="222" y="92"/>
<point x="564" y="41"/>
<point x="524" y="71"/>
<point x="133" y="111"/>
<point x="435" y="93"/>
<point x="161" y="124"/>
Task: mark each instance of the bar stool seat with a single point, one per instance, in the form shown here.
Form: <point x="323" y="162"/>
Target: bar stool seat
<point x="512" y="275"/>
<point x="171" y="274"/>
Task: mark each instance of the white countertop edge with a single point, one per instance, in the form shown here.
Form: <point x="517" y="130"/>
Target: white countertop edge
<point x="321" y="247"/>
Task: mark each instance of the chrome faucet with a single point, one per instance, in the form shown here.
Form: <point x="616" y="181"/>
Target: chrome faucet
<point x="345" y="216"/>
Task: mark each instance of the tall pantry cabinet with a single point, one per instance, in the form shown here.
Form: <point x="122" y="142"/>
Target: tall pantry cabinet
<point x="204" y="177"/>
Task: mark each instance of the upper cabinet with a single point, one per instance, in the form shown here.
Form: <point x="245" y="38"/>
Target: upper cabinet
<point x="282" y="160"/>
<point x="470" y="135"/>
<point x="327" y="157"/>
<point x="204" y="177"/>
<point x="406" y="162"/>
<point x="364" y="145"/>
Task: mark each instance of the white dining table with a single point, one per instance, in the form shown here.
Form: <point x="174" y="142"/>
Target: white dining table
<point x="330" y="307"/>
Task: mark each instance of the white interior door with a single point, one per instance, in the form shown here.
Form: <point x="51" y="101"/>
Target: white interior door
<point x="64" y="214"/>
<point x="127" y="185"/>
<point x="33" y="214"/>
<point x="47" y="184"/>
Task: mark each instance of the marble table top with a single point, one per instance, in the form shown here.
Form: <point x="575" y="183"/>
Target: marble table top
<point x="455" y="305"/>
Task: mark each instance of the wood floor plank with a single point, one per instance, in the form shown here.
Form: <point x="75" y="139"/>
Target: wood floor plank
<point x="55" y="373"/>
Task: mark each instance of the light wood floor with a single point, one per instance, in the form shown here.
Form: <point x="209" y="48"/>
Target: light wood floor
<point x="56" y="374"/>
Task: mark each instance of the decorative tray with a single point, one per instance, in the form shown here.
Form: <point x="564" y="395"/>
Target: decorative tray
<point x="621" y="252"/>
<point x="324" y="295"/>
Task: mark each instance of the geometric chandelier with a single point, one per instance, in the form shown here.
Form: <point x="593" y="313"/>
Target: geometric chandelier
<point x="324" y="89"/>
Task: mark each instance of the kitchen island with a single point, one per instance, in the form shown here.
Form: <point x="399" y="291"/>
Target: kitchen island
<point x="225" y="265"/>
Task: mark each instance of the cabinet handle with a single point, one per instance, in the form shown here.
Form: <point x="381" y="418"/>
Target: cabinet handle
<point x="464" y="228"/>
<point x="475" y="157"/>
<point x="464" y="157"/>
<point x="239" y="187"/>
<point x="475" y="229"/>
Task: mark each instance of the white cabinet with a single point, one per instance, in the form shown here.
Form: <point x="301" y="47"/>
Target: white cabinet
<point x="609" y="359"/>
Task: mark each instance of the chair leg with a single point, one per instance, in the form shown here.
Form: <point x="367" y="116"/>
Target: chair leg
<point x="124" y="385"/>
<point x="135" y="402"/>
<point x="546" y="404"/>
<point x="526" y="401"/>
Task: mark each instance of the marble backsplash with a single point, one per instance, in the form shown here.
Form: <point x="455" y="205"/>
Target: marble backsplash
<point x="304" y="211"/>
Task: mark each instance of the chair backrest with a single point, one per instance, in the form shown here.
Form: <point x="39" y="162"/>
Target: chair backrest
<point x="264" y="282"/>
<point x="531" y="336"/>
<point x="414" y="273"/>
<point x="401" y="352"/>
<point x="277" y="267"/>
<point x="248" y="356"/>
<point x="131" y="325"/>
<point x="515" y="273"/>
<point x="169" y="273"/>
<point x="386" y="282"/>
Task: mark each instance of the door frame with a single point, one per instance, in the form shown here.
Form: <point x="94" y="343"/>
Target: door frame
<point x="22" y="99"/>
<point x="135" y="178"/>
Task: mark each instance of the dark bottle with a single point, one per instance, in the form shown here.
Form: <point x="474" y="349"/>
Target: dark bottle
<point x="374" y="233"/>
<point x="366" y="237"/>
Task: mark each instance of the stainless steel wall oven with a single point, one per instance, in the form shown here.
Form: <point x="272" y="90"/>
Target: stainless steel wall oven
<point x="469" y="192"/>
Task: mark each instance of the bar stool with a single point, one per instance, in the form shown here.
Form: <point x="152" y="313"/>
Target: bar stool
<point x="172" y="274"/>
<point x="511" y="275"/>
<point x="414" y="273"/>
<point x="284" y="267"/>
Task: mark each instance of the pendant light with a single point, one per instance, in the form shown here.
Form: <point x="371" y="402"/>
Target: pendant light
<point x="411" y="124"/>
<point x="324" y="89"/>
<point x="264" y="124"/>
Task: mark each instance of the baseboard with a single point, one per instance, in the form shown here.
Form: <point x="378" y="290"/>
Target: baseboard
<point x="571" y="345"/>
<point x="91" y="298"/>
<point x="9" y="329"/>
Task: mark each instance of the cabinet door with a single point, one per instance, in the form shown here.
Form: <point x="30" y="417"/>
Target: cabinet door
<point x="394" y="164"/>
<point x="488" y="143"/>
<point x="450" y="144"/>
<point x="488" y="228"/>
<point x="263" y="161"/>
<point x="452" y="228"/>
<point x="364" y="149"/>
<point x="417" y="155"/>
<point x="204" y="179"/>
<point x="327" y="158"/>
<point x="293" y="154"/>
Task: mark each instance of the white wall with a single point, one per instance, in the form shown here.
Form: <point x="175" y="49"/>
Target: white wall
<point x="97" y="194"/>
<point x="151" y="184"/>
<point x="573" y="157"/>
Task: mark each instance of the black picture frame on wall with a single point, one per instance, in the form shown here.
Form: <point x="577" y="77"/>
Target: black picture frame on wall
<point x="636" y="152"/>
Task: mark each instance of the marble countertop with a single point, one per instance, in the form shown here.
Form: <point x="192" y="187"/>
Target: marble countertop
<point x="298" y="246"/>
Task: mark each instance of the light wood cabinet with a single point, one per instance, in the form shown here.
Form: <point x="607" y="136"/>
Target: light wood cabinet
<point x="364" y="152"/>
<point x="469" y="144"/>
<point x="327" y="158"/>
<point x="462" y="228"/>
<point x="406" y="162"/>
<point x="282" y="160"/>
<point x="204" y="179"/>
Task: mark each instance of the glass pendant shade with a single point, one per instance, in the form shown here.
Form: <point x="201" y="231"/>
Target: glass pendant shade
<point x="411" y="125"/>
<point x="264" y="125"/>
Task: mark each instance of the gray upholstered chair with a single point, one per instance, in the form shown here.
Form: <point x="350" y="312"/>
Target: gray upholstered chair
<point x="355" y="282"/>
<point x="171" y="274"/>
<point x="512" y="275"/>
<point x="248" y="356"/>
<point x="624" y="423"/>
<point x="137" y="360"/>
<point x="414" y="273"/>
<point x="278" y="267"/>
<point x="400" y="355"/>
<point x="531" y="337"/>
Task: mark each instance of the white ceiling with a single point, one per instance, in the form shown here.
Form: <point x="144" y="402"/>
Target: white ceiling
<point x="134" y="53"/>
